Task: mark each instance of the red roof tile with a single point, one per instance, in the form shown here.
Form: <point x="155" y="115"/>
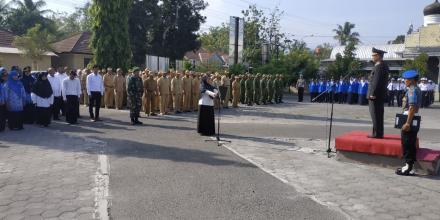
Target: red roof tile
<point x="6" y="39"/>
<point x="78" y="43"/>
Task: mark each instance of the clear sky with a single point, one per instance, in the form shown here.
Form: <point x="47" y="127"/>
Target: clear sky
<point x="377" y="21"/>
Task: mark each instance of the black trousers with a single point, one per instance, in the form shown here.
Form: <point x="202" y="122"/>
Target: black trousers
<point x="94" y="101"/>
<point x="399" y="97"/>
<point x="57" y="103"/>
<point x="15" y="120"/>
<point x="29" y="114"/>
<point x="409" y="142"/>
<point x="43" y="116"/>
<point x="72" y="106"/>
<point x="300" y="94"/>
<point x="391" y="98"/>
<point x="377" y="112"/>
<point x="3" y="113"/>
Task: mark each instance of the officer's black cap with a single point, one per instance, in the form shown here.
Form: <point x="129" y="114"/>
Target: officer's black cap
<point x="377" y="51"/>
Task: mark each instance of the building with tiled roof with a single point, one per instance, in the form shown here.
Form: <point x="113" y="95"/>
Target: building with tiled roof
<point x="12" y="56"/>
<point x="73" y="51"/>
<point x="204" y="57"/>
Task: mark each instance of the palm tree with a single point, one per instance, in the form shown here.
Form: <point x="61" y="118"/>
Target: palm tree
<point x="26" y="15"/>
<point x="345" y="35"/>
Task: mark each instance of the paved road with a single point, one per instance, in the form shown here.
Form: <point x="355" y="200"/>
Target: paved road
<point x="164" y="170"/>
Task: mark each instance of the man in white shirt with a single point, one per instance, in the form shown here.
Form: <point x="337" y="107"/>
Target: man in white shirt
<point x="61" y="76"/>
<point x="56" y="88"/>
<point x="71" y="94"/>
<point x="95" y="90"/>
<point x="392" y="90"/>
<point x="400" y="91"/>
<point x="424" y="87"/>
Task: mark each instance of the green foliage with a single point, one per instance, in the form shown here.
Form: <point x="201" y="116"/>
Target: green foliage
<point x="344" y="64"/>
<point x="216" y="39"/>
<point x="35" y="43"/>
<point x="27" y="14"/>
<point x="291" y="65"/>
<point x="175" y="33"/>
<point x="420" y="63"/>
<point x="255" y="20"/>
<point x="344" y="34"/>
<point x="237" y="69"/>
<point x="325" y="51"/>
<point x="143" y="15"/>
<point x="110" y="41"/>
<point x="399" y="40"/>
<point x="4" y="10"/>
<point x="69" y="24"/>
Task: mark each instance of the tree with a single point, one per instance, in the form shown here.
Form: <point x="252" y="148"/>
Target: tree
<point x="344" y="34"/>
<point x="216" y="39"/>
<point x="254" y="20"/>
<point x="69" y="24"/>
<point x="110" y="41"/>
<point x="4" y="10"/>
<point x="28" y="14"/>
<point x="323" y="51"/>
<point x="399" y="40"/>
<point x="175" y="33"/>
<point x="34" y="44"/>
<point x="420" y="63"/>
<point x="344" y="64"/>
<point x="143" y="15"/>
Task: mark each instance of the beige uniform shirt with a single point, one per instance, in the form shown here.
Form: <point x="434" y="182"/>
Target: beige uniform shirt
<point x="163" y="86"/>
<point x="119" y="83"/>
<point x="109" y="81"/>
<point x="176" y="86"/>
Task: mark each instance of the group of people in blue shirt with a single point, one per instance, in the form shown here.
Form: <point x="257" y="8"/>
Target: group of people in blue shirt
<point x="352" y="91"/>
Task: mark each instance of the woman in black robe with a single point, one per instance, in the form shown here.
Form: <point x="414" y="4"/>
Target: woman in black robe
<point x="29" y="108"/>
<point x="42" y="96"/>
<point x="206" y="121"/>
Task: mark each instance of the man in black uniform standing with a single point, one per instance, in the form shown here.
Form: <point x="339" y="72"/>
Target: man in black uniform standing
<point x="377" y="92"/>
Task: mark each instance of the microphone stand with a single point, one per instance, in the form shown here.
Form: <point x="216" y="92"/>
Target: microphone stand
<point x="218" y="139"/>
<point x="332" y="89"/>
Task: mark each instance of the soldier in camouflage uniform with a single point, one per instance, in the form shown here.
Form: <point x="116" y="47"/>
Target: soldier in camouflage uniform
<point x="242" y="90"/>
<point x="257" y="89"/>
<point x="281" y="88"/>
<point x="135" y="89"/>
<point x="263" y="89"/>
<point x="276" y="88"/>
<point x="249" y="91"/>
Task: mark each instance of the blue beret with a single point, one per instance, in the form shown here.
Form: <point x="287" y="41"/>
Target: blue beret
<point x="2" y="71"/>
<point x="410" y="74"/>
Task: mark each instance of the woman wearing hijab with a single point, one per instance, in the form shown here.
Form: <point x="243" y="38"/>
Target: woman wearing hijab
<point x="29" y="108"/>
<point x="15" y="98"/>
<point x="42" y="97"/>
<point x="206" y="121"/>
<point x="3" y="79"/>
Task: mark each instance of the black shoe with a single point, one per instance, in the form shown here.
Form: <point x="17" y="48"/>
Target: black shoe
<point x="375" y="137"/>
<point x="408" y="171"/>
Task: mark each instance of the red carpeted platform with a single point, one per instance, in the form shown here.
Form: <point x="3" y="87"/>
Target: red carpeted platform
<point x="355" y="146"/>
<point x="357" y="141"/>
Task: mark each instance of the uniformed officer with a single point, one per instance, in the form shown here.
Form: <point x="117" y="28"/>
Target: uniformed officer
<point x="195" y="88"/>
<point x="176" y="91"/>
<point x="226" y="82"/>
<point x="109" y="95"/>
<point x="187" y="91"/>
<point x="150" y="94"/>
<point x="392" y="88"/>
<point x="119" y="83"/>
<point x="243" y="89"/>
<point x="424" y="88"/>
<point x="377" y="92"/>
<point x="163" y="88"/>
<point x="135" y="90"/>
<point x="300" y="85"/>
<point x="257" y="89"/>
<point x="249" y="90"/>
<point x="84" y="75"/>
<point x="235" y="92"/>
<point x="412" y="103"/>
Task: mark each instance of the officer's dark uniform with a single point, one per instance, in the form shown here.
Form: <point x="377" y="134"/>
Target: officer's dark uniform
<point x="378" y="89"/>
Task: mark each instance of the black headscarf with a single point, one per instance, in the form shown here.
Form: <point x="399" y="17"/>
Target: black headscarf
<point x="42" y="88"/>
<point x="28" y="82"/>
<point x="204" y="85"/>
